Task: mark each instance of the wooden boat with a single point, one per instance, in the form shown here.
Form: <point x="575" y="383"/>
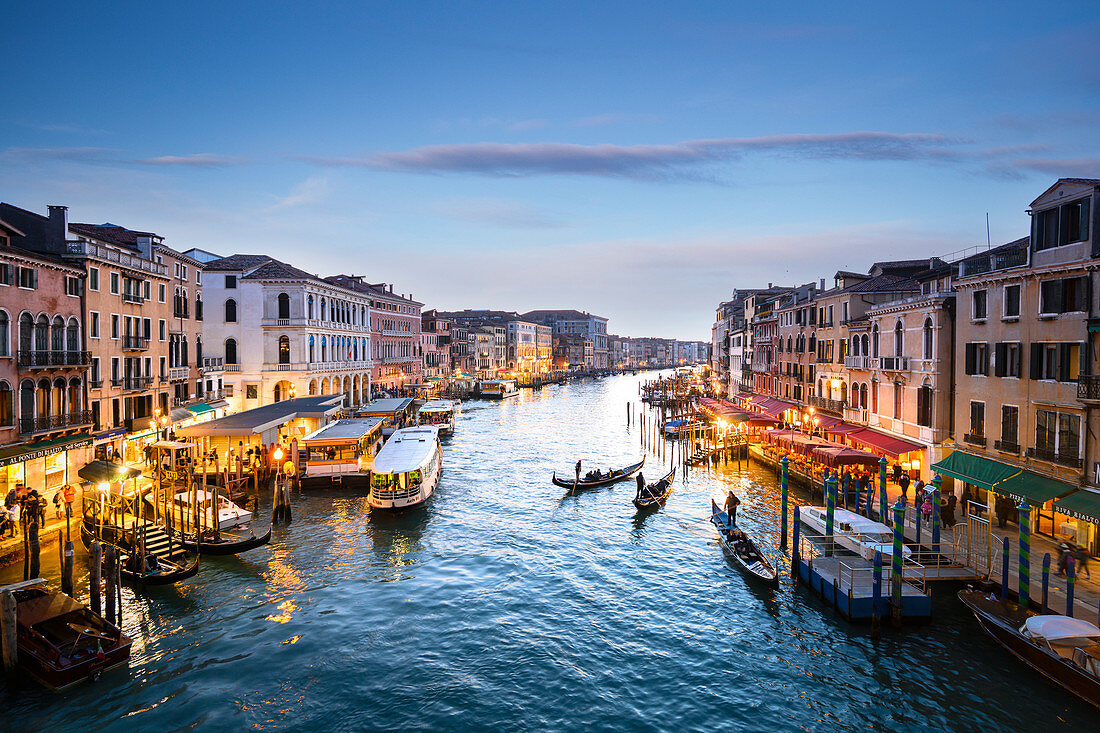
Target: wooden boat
<point x="652" y="496"/>
<point x="162" y="566"/>
<point x="603" y="479"/>
<point x="60" y="642"/>
<point x="741" y="549"/>
<point x="1065" y="649"/>
<point x="231" y="542"/>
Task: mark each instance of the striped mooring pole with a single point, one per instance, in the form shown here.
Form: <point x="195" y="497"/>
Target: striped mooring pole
<point x="883" y="502"/>
<point x="830" y="510"/>
<point x="1071" y="580"/>
<point x="937" y="481"/>
<point x="794" y="545"/>
<point x="784" y="462"/>
<point x="896" y="557"/>
<point x="1046" y="580"/>
<point x="1004" y="569"/>
<point x="876" y="585"/>
<point x="1024" y="584"/>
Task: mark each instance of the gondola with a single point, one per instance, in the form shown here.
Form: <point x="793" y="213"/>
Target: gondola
<point x="603" y="480"/>
<point x="165" y="570"/>
<point x="652" y="496"/>
<point x="224" y="543"/>
<point x="740" y="547"/>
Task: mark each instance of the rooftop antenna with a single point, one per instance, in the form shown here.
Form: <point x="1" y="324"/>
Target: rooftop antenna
<point x="988" y="243"/>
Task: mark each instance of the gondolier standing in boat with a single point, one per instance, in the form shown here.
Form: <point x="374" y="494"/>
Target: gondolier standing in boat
<point x="732" y="502"/>
<point x="578" y="470"/>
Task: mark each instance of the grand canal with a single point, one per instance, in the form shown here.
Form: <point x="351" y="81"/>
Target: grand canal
<point x="506" y="605"/>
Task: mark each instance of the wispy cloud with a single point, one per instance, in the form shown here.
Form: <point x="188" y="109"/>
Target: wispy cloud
<point x="309" y="191"/>
<point x="1061" y="167"/>
<point x="194" y="160"/>
<point x="495" y="212"/>
<point x="690" y="159"/>
<point x="71" y="155"/>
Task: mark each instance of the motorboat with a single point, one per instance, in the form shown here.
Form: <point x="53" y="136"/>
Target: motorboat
<point x="853" y="532"/>
<point x="440" y="413"/>
<point x="407" y="469"/>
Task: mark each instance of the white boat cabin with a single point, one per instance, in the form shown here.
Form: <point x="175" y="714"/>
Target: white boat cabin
<point x="342" y="450"/>
<point x="440" y="413"/>
<point x="406" y="470"/>
<point x="498" y="389"/>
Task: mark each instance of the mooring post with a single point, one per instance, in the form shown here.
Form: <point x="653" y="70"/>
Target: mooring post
<point x="66" y="565"/>
<point x="36" y="548"/>
<point x="830" y="511"/>
<point x="8" y="632"/>
<point x="1004" y="569"/>
<point x="917" y="520"/>
<point x="876" y="593"/>
<point x="783" y="504"/>
<point x="1046" y="579"/>
<point x="94" y="582"/>
<point x="1024" y="584"/>
<point x="895" y="560"/>
<point x="937" y="480"/>
<point x="847" y="485"/>
<point x="109" y="596"/>
<point x="883" y="503"/>
<point x="1071" y="580"/>
<point x="794" y="545"/>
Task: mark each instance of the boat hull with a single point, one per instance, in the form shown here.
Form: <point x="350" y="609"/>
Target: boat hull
<point x="406" y="501"/>
<point x="760" y="570"/>
<point x="656" y="493"/>
<point x="582" y="484"/>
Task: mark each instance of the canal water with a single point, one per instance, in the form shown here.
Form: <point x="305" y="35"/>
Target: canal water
<point x="506" y="604"/>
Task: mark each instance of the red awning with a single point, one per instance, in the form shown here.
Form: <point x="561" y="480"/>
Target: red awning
<point x="838" y="455"/>
<point x="843" y="428"/>
<point x="828" y="422"/>
<point x="773" y="406"/>
<point x="888" y="444"/>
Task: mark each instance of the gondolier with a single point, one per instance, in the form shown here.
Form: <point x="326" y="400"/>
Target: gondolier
<point x="732" y="502"/>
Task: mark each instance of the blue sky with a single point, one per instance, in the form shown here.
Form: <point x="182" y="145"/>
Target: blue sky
<point x="638" y="160"/>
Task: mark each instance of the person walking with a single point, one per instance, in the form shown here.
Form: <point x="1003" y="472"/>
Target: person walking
<point x="903" y="484"/>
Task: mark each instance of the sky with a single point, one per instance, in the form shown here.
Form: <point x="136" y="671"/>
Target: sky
<point x="636" y="160"/>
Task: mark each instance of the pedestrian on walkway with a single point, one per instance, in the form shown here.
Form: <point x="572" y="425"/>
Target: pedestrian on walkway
<point x="13" y="519"/>
<point x="903" y="484"/>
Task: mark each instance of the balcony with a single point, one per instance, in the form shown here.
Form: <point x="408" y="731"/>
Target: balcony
<point x="95" y="384"/>
<point x="179" y="374"/>
<point x="857" y="362"/>
<point x="134" y="343"/>
<point x="53" y="359"/>
<point x="133" y="384"/>
<point x="994" y="261"/>
<point x="894" y="363"/>
<point x="30" y="425"/>
<point x="1088" y="387"/>
<point x="824" y="403"/>
<point x="974" y="439"/>
<point x="388" y="332"/>
<point x="1007" y="447"/>
<point x="232" y="367"/>
<point x="1050" y="456"/>
<point x="213" y="394"/>
<point x="212" y="364"/>
<point x="856" y="414"/>
<point x="132" y="298"/>
<point x="99" y="252"/>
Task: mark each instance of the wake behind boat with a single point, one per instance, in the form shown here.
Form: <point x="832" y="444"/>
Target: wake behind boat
<point x="741" y="549"/>
<point x="598" y="478"/>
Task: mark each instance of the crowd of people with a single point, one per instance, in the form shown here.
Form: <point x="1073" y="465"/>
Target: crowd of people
<point x="23" y="506"/>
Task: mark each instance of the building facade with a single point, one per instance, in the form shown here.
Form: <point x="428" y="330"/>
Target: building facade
<point x="395" y="324"/>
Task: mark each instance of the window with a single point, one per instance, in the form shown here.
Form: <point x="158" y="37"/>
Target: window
<point x="1010" y="427"/>
<point x="93" y="327"/>
<point x="230" y="351"/>
<point x="1057" y="435"/>
<point x="74" y="286"/>
<point x="1062" y="296"/>
<point x="161" y="293"/>
<point x="874" y="341"/>
<point x="7" y="273"/>
<point x="93" y="373"/>
<point x="1056" y="361"/>
<point x="899" y="339"/>
<point x="198" y="307"/>
<point x="5" y="334"/>
<point x="230" y="311"/>
<point x="28" y="278"/>
<point x="977" y="359"/>
<point x="978" y="309"/>
<point x="147" y="328"/>
<point x="927" y="339"/>
<point x="93" y="278"/>
<point x="183" y="272"/>
<point x="230" y="282"/>
<point x="284" y="306"/>
<point x="1062" y="225"/>
<point x="897" y="401"/>
<point x="114" y="326"/>
<point x="1007" y="360"/>
<point x="162" y="329"/>
<point x="924" y="406"/>
<point x="1012" y="301"/>
<point x="977" y="419"/>
<point x="284" y="350"/>
<point x="114" y="283"/>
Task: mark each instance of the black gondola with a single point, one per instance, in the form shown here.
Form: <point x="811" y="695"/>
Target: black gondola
<point x="603" y="479"/>
<point x="652" y="496"/>
<point x="742" y="549"/>
<point x="160" y="569"/>
<point x="225" y="542"/>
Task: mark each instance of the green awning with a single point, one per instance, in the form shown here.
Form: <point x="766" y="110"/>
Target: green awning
<point x="1082" y="504"/>
<point x="42" y="448"/>
<point x="99" y="472"/>
<point x="975" y="470"/>
<point x="199" y="409"/>
<point x="1038" y="490"/>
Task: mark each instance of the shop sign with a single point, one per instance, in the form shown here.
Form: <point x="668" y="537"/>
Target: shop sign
<point x="46" y="450"/>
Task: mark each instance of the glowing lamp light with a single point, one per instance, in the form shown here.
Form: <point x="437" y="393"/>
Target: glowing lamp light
<point x="278" y="454"/>
<point x="104" y="487"/>
<point x="916" y="464"/>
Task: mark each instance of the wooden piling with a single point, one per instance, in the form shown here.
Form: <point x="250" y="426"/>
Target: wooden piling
<point x="66" y="565"/>
<point x="109" y="595"/>
<point x="8" y="643"/>
<point x="95" y="582"/>
<point x="35" y="547"/>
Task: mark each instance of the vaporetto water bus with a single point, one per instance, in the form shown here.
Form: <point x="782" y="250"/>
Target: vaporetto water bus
<point x="498" y="389"/>
<point x="343" y="450"/>
<point x="854" y="532"/>
<point x="440" y="413"/>
<point x="406" y="470"/>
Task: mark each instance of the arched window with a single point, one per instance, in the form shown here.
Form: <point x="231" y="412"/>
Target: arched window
<point x="874" y="341"/>
<point x="309" y="307"/>
<point x="284" y="305"/>
<point x="924" y="405"/>
<point x="284" y="350"/>
<point x="26" y="333"/>
<point x="57" y="334"/>
<point x="311" y="351"/>
<point x="26" y="400"/>
<point x="843" y="391"/>
<point x="927" y="338"/>
<point x="7" y="405"/>
<point x="5" y="336"/>
<point x="324" y="344"/>
<point x="813" y="343"/>
<point x="230" y="311"/>
<point x="75" y="396"/>
<point x="72" y="336"/>
<point x="865" y="345"/>
<point x="899" y="340"/>
<point x="231" y="351"/>
<point x="323" y="309"/>
<point x="42" y="399"/>
<point x="198" y="307"/>
<point x="855" y="345"/>
<point x="42" y="333"/>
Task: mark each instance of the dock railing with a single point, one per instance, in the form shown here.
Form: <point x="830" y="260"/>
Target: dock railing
<point x="855" y="573"/>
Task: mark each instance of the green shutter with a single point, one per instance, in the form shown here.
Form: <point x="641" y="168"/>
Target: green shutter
<point x="1036" y="367"/>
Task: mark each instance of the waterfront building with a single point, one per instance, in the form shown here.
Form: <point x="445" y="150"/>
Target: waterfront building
<point x="620" y="352"/>
<point x="435" y="340"/>
<point x="797" y="355"/>
<point x="44" y="419"/>
<point x="282" y="332"/>
<point x="544" y="349"/>
<point x="572" y="322"/>
<point x="522" y="351"/>
<point x="1024" y="323"/>
<point x="571" y="352"/>
<point x="463" y="344"/>
<point x="395" y="325"/>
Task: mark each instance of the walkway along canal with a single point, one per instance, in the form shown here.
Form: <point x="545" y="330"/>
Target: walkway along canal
<point x="505" y="603"/>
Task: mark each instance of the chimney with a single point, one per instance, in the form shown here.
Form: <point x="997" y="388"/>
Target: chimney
<point x="769" y="286"/>
<point x="57" y="229"/>
<point x="821" y="287"/>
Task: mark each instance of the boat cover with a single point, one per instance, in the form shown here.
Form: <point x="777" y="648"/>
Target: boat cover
<point x="43" y="608"/>
<point x="1054" y="628"/>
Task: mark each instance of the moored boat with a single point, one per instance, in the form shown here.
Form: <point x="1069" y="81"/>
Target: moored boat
<point x="440" y="413"/>
<point x="61" y="642"/>
<point x="598" y="478"/>
<point x="854" y="532"/>
<point x="1064" y="649"/>
<point x="652" y="496"/>
<point x="407" y="469"/>
<point x="741" y="549"/>
<point x="498" y="389"/>
<point x="684" y="426"/>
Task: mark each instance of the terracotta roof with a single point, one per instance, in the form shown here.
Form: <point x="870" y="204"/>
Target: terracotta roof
<point x="377" y="290"/>
<point x="559" y="315"/>
<point x="236" y="262"/>
<point x="112" y="234"/>
<point x="885" y="284"/>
